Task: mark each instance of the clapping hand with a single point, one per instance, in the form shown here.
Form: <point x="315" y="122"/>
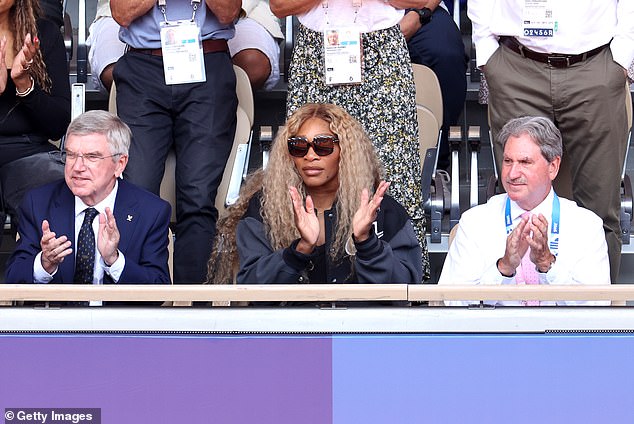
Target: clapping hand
<point x="22" y="62"/>
<point x="366" y="214"/>
<point x="516" y="246"/>
<point x="54" y="249"/>
<point x="538" y="242"/>
<point x="531" y="232"/>
<point x="108" y="242"/>
<point x="306" y="221"/>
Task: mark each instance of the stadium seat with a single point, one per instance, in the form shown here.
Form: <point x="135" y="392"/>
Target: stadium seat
<point x="435" y="185"/>
<point x="627" y="202"/>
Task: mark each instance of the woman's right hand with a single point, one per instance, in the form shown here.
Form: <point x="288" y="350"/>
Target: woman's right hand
<point x="22" y="62"/>
<point x="3" y="65"/>
<point x="306" y="222"/>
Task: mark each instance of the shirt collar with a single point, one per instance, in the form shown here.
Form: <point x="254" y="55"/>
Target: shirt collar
<point x="108" y="202"/>
<point x="545" y="207"/>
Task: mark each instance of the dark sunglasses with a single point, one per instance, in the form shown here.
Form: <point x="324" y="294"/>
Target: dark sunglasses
<point x="322" y="145"/>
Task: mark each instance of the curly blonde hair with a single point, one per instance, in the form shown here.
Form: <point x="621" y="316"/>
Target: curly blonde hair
<point x="24" y="15"/>
<point x="359" y="168"/>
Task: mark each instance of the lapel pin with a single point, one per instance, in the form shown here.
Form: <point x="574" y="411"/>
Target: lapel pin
<point x="129" y="218"/>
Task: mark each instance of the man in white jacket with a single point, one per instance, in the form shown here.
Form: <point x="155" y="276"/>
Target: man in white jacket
<point x="528" y="235"/>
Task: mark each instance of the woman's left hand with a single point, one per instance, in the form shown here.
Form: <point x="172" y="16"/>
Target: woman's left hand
<point x="23" y="61"/>
<point x="366" y="214"/>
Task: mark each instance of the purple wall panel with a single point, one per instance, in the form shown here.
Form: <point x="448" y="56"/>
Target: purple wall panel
<point x="172" y="379"/>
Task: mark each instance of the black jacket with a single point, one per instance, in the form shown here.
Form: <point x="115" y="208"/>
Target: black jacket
<point x="392" y="254"/>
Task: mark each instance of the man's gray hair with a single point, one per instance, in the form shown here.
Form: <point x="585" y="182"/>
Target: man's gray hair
<point x="541" y="130"/>
<point x="105" y="123"/>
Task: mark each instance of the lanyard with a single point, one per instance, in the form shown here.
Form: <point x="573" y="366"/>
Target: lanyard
<point x="162" y="4"/>
<point x="553" y="239"/>
<point x="324" y="4"/>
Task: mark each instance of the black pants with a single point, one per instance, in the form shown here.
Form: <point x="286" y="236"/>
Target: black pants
<point x="198" y="120"/>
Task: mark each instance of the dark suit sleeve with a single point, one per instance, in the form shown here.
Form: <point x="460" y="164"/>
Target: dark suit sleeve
<point x="20" y="264"/>
<point x="146" y="262"/>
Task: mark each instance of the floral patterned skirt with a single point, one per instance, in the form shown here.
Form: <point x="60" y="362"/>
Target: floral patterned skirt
<point x="384" y="104"/>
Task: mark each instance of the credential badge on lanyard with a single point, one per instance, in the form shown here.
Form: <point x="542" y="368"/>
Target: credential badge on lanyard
<point x="342" y="50"/>
<point x="182" y="49"/>
<point x="538" y="19"/>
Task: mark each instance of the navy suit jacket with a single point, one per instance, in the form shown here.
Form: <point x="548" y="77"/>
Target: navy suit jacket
<point x="142" y="219"/>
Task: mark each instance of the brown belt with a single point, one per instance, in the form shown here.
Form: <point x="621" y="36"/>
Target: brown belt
<point x="209" y="46"/>
<point x="555" y="60"/>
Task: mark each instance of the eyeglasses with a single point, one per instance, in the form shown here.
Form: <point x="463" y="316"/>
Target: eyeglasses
<point x="322" y="145"/>
<point x="90" y="158"/>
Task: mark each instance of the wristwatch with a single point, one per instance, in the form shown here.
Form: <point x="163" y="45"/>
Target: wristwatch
<point x="424" y="15"/>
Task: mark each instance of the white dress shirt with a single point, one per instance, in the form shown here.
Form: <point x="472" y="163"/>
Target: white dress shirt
<point x="481" y="240"/>
<point x="581" y="25"/>
<point x="113" y="271"/>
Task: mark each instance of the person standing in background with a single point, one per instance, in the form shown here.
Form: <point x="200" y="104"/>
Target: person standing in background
<point x="179" y="96"/>
<point x="255" y="46"/>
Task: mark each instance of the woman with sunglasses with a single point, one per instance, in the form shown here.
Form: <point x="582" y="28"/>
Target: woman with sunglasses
<point x="318" y="213"/>
<point x="368" y="74"/>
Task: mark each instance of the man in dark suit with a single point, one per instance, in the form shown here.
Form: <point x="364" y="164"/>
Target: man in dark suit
<point x="60" y="239"/>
